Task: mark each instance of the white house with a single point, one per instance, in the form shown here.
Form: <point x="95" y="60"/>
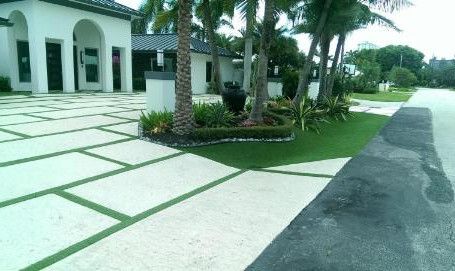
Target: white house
<point x="145" y="49"/>
<point x="66" y="45"/>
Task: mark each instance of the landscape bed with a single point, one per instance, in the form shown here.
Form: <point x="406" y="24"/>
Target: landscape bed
<point x="276" y="129"/>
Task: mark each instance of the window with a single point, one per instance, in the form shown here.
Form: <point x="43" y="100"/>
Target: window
<point x="23" y="57"/>
<point x="208" y="72"/>
<point x="91" y="65"/>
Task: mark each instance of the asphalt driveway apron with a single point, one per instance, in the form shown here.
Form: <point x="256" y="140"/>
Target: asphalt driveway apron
<point x="389" y="208"/>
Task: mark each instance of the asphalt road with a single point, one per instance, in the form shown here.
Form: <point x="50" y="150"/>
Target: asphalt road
<point x="390" y="208"/>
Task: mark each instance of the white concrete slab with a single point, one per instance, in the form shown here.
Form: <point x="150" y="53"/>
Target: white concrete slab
<point x="12" y="97"/>
<point x="31" y="147"/>
<point x="134" y="106"/>
<point x="35" y="229"/>
<point x="383" y="111"/>
<point x="134" y="152"/>
<point x="224" y="228"/>
<point x="62" y="125"/>
<point x="79" y="112"/>
<point x="126" y="128"/>
<point x="138" y="190"/>
<point x="23" y="110"/>
<point x="75" y="105"/>
<point x="31" y="177"/>
<point x="15" y="119"/>
<point x="326" y="167"/>
<point x="29" y="103"/>
<point x="7" y="136"/>
<point x="133" y="115"/>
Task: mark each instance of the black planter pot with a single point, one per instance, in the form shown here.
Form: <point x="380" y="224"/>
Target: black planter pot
<point x="234" y="98"/>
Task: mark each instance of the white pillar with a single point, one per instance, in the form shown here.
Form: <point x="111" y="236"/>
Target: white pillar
<point x="38" y="63"/>
<point x="106" y="67"/>
<point x="160" y="93"/>
<point x="128" y="77"/>
<point x="13" y="68"/>
<point x="68" y="65"/>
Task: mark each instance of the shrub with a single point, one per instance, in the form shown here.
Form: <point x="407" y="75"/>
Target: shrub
<point x="212" y="89"/>
<point x="212" y="115"/>
<point x="337" y="108"/>
<point x="157" y="122"/>
<point x="402" y="77"/>
<point x="290" y="82"/>
<point x="139" y="83"/>
<point x="5" y="84"/>
<point x="284" y="129"/>
<point x="219" y="116"/>
<point x="308" y="116"/>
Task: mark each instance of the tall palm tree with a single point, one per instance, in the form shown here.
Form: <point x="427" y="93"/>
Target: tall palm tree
<point x="319" y="11"/>
<point x="350" y="18"/>
<point x="183" y="114"/>
<point x="212" y="11"/>
<point x="248" y="10"/>
<point x="266" y="39"/>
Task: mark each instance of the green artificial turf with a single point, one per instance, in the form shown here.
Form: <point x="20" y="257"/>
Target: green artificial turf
<point x="384" y="96"/>
<point x="337" y="139"/>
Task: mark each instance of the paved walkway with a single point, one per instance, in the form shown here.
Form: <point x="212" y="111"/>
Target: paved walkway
<point x="79" y="191"/>
<point x="390" y="208"/>
<point x="378" y="108"/>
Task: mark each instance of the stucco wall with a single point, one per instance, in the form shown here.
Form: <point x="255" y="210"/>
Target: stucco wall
<point x="49" y="21"/>
<point x="198" y="71"/>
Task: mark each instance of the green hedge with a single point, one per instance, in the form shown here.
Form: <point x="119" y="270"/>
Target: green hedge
<point x="284" y="129"/>
<point x="5" y="85"/>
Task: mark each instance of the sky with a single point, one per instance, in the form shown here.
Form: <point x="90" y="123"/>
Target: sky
<point x="426" y="26"/>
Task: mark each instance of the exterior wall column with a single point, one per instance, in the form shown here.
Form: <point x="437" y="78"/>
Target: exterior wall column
<point x="106" y="67"/>
<point x="68" y="65"/>
<point x="13" y="68"/>
<point x="127" y="72"/>
<point x="38" y="63"/>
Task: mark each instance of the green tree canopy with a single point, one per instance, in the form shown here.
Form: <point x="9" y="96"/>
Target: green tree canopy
<point x="390" y="56"/>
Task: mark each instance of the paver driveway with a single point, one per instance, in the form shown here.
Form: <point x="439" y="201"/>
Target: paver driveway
<point x="79" y="191"/>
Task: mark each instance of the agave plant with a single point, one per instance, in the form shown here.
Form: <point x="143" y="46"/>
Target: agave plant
<point x="337" y="108"/>
<point x="308" y="116"/>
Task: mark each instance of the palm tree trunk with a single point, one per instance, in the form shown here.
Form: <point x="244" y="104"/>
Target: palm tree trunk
<point x="266" y="39"/>
<point x="325" y="49"/>
<point x="334" y="68"/>
<point x="214" y="48"/>
<point x="302" y="89"/>
<point x="183" y="114"/>
<point x="248" y="54"/>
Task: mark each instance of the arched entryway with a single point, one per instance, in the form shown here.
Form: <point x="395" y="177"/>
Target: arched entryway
<point x="19" y="51"/>
<point x="88" y="51"/>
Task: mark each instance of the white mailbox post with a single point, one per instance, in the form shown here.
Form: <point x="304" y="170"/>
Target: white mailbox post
<point x="160" y="91"/>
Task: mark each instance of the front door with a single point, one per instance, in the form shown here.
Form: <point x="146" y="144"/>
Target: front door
<point x="76" y="69"/>
<point x="54" y="66"/>
<point x="116" y="70"/>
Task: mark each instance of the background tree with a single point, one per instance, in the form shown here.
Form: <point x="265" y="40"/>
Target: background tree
<point x="183" y="114"/>
<point x="394" y="55"/>
<point x="312" y="17"/>
<point x="402" y="77"/>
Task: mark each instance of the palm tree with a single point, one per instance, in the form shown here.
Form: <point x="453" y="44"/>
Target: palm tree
<point x="352" y="18"/>
<point x="212" y="11"/>
<point x="266" y="39"/>
<point x="183" y="114"/>
<point x="317" y="12"/>
<point x="248" y="10"/>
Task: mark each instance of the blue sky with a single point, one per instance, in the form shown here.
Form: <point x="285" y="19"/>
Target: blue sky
<point x="426" y="26"/>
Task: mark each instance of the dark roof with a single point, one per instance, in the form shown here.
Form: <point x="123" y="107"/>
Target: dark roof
<point x="111" y="4"/>
<point x="5" y="22"/>
<point x="105" y="7"/>
<point x="168" y="42"/>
